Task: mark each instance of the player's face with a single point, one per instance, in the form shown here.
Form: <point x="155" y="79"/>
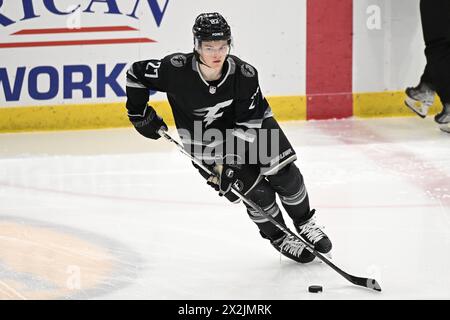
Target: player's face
<point x="213" y="53"/>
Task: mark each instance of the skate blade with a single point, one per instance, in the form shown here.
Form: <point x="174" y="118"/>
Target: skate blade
<point x="415" y="106"/>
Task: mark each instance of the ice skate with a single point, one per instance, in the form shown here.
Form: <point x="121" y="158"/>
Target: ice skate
<point x="292" y="248"/>
<point x="445" y="127"/>
<point x="419" y="99"/>
<point x="312" y="233"/>
<point x="443" y="118"/>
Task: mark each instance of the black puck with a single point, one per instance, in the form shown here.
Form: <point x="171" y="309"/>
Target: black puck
<point x="315" y="289"/>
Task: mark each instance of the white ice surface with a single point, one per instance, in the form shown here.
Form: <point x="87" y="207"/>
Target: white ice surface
<point x="381" y="188"/>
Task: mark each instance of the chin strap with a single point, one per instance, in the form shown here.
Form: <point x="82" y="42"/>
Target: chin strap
<point x="197" y="57"/>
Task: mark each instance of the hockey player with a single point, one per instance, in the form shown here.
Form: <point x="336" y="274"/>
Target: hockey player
<point x="435" y="16"/>
<point x="215" y="93"/>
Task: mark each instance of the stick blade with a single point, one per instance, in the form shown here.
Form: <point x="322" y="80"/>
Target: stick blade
<point x="366" y="282"/>
<point x="373" y="284"/>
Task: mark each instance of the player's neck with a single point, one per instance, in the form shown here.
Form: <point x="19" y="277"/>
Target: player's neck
<point x="210" y="74"/>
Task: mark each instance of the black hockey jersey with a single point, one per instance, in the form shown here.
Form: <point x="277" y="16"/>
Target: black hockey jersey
<point x="234" y="101"/>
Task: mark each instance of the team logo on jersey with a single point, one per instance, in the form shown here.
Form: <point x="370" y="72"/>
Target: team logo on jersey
<point x="253" y="98"/>
<point x="178" y="61"/>
<point x="239" y="185"/>
<point x="248" y="71"/>
<point x="210" y="114"/>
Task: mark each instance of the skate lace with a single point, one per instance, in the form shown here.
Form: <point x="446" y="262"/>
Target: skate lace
<point x="292" y="246"/>
<point x="312" y="231"/>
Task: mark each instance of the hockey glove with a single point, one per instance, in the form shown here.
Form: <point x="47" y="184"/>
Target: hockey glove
<point x="149" y="124"/>
<point x="226" y="176"/>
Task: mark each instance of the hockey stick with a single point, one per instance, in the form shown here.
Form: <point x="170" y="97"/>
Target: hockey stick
<point x="359" y="281"/>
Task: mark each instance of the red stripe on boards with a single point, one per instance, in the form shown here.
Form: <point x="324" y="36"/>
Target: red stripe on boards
<point x="73" y="43"/>
<point x="329" y="59"/>
<point x="75" y="30"/>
